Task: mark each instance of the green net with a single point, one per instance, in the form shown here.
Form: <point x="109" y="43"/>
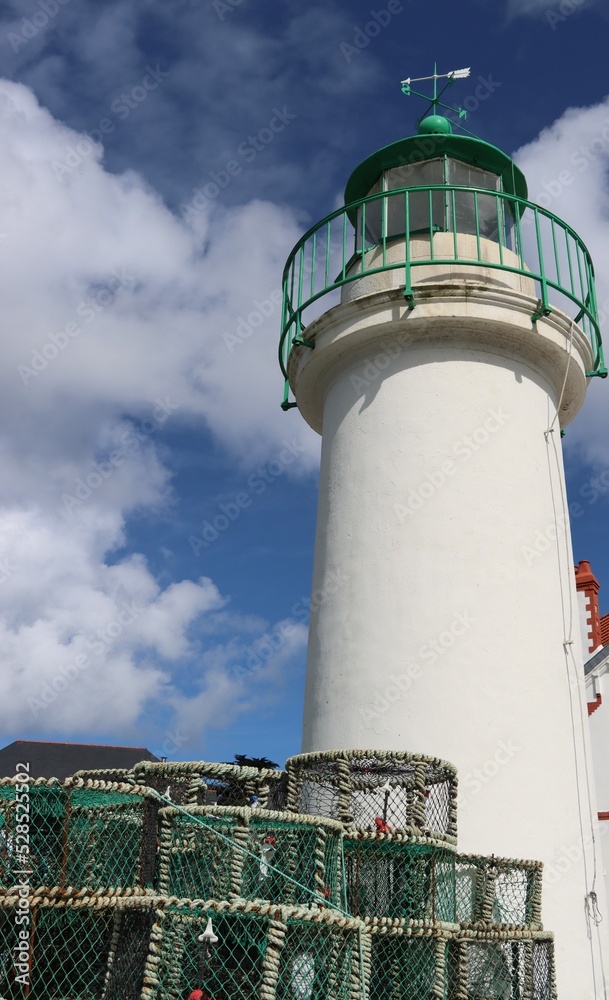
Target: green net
<point x="213" y="853"/>
<point x="436" y="963"/>
<point x="204" y="783"/>
<point x="405" y="967"/>
<point x="377" y="792"/>
<point x="285" y="954"/>
<point x="113" y="896"/>
<point x="151" y="948"/>
<point x="64" y="955"/>
<point x="128" y="955"/>
<point x="400" y="880"/>
<point x="77" y="836"/>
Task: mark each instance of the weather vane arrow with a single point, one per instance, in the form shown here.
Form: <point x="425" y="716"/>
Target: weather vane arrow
<point x="434" y="101"/>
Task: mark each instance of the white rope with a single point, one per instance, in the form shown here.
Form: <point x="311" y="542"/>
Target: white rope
<point x="593" y="915"/>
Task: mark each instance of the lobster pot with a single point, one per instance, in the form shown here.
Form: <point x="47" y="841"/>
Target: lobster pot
<point x="71" y="835"/>
<point x="375" y="791"/>
<point x="283" y="952"/>
<point x="406" y="967"/>
<point x="393" y="879"/>
<point x="32" y="822"/>
<point x="110" y="840"/>
<point x="428" y="963"/>
<point x="507" y="969"/>
<point x="216" y="853"/>
<point x="129" y="953"/>
<point x="498" y="891"/>
<point x="63" y="953"/>
<point x="203" y="783"/>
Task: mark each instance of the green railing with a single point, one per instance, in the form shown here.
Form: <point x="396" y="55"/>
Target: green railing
<point x="379" y="233"/>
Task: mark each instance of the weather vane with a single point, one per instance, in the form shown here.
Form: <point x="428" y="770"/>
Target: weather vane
<point x="434" y="102"/>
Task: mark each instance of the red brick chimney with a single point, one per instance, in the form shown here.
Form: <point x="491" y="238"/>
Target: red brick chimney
<point x="585" y="580"/>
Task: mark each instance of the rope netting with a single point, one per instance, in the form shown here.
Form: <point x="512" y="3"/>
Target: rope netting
<point x="157" y="948"/>
<point x="498" y="891"/>
<point x="394" y="878"/>
<point x="397" y="880"/>
<point x="77" y="835"/>
<point x="216" y="853"/>
<point x="377" y="792"/>
<point x="281" y="954"/>
<point x="433" y="963"/>
<point x="172" y="882"/>
<point x="204" y="783"/>
<point x="488" y="969"/>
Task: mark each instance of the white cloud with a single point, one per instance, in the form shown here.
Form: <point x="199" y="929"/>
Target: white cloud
<point x="112" y="327"/>
<point x="567" y="169"/>
<point x="241" y="677"/>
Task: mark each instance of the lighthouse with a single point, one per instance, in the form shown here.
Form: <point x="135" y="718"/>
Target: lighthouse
<point x="440" y="332"/>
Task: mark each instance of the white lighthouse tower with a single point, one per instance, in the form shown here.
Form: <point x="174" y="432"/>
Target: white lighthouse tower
<point x="439" y="332"/>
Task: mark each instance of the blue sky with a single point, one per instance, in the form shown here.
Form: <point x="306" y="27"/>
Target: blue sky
<point x="139" y="403"/>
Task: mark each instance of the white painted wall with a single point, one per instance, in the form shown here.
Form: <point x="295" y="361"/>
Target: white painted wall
<point x="440" y="515"/>
<point x="599" y="736"/>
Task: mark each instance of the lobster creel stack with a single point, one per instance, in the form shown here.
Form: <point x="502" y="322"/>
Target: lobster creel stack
<point x="338" y="879"/>
<point x="438" y="924"/>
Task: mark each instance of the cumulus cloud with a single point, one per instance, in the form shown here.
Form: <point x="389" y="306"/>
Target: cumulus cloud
<point x="567" y="168"/>
<point x="115" y="326"/>
<point x="88" y="55"/>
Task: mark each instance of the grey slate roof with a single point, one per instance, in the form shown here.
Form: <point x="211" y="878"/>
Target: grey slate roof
<point x="60" y="760"/>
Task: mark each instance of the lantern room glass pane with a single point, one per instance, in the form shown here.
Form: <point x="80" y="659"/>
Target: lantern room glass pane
<point x="469" y="176"/>
<point x="427" y="210"/>
<point x="481" y="215"/>
<point x="369" y="224"/>
<point x="435" y="211"/>
<point x="415" y="174"/>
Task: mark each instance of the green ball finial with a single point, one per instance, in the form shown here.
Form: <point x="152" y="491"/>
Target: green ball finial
<point x="435" y="125"/>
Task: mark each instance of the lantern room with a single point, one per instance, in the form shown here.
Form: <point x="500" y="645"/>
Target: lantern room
<point x="437" y="167"/>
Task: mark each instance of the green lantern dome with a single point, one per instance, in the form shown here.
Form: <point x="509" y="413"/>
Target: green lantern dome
<point x="435" y="124"/>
